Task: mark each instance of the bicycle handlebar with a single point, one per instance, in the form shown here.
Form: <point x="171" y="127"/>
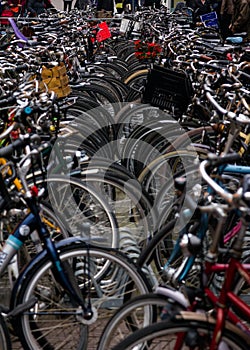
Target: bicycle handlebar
<point x="214" y="161"/>
<point x="8" y="101"/>
<point x="17" y="144"/>
<point x="237" y="118"/>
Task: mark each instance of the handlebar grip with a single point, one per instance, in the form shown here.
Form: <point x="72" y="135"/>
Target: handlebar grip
<point x="22" y="67"/>
<point x="7" y="101"/>
<point x="7" y="151"/>
<point x="214" y="160"/>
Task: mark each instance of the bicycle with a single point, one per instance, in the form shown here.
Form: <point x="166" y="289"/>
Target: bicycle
<point x="176" y="271"/>
<point x="64" y="285"/>
<point x="162" y="245"/>
<point x="217" y="321"/>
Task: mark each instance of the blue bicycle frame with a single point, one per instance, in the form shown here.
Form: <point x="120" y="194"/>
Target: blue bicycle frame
<point x="15" y="241"/>
<point x="188" y="261"/>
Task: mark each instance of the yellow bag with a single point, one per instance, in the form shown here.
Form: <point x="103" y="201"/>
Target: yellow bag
<point x="56" y="79"/>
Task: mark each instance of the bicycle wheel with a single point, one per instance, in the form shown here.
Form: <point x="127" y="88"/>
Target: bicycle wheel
<point x="158" y="177"/>
<point x="81" y="209"/>
<point x="80" y="206"/>
<point x="137" y="313"/>
<point x="104" y="97"/>
<point x="188" y="331"/>
<point x="141" y="142"/>
<point x="162" y="256"/>
<point x="131" y="205"/>
<point x="136" y="82"/>
<point x="131" y="77"/>
<point x="105" y="166"/>
<point x="5" y="343"/>
<point x="106" y="279"/>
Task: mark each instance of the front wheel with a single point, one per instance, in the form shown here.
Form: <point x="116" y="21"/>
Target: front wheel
<point x="188" y="333"/>
<point x="137" y="313"/>
<point x="106" y="279"/>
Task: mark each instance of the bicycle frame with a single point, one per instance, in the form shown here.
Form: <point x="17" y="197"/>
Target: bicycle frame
<point x="33" y="222"/>
<point x="223" y="304"/>
<point x="15" y="241"/>
<point x="186" y="265"/>
<point x="227" y="296"/>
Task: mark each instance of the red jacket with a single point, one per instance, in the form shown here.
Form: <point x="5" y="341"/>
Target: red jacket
<point x="17" y="6"/>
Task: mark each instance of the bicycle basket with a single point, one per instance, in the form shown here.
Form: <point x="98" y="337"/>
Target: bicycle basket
<point x="167" y="89"/>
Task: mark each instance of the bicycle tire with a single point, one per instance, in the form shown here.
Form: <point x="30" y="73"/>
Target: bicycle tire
<point x="93" y="90"/>
<point x="134" y="117"/>
<point x="79" y="113"/>
<point x="136" y="82"/>
<point x="161" y="258"/>
<point x="5" y="342"/>
<point x="191" y="332"/>
<point x="87" y="103"/>
<point x="130" y="78"/>
<point x="105" y="82"/>
<point x="138" y="145"/>
<point x="136" y="313"/>
<point x="79" y="207"/>
<point x="133" y="208"/>
<point x="159" y="174"/>
<point x="113" y="68"/>
<point x="113" y="279"/>
<point x="100" y="95"/>
<point x="103" y="165"/>
<point x="88" y="136"/>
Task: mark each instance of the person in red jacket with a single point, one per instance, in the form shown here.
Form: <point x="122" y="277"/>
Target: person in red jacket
<point x="17" y="6"/>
